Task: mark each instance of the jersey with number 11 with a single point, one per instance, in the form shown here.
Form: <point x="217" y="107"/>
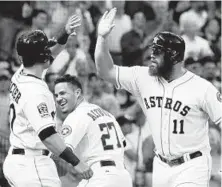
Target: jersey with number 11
<point x="177" y="111"/>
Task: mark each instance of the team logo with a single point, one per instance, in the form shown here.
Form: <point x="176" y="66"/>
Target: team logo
<point x="43" y="110"/>
<point x="219" y="96"/>
<point x="66" y="130"/>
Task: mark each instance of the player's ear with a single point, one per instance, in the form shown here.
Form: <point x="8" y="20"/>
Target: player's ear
<point x="78" y="92"/>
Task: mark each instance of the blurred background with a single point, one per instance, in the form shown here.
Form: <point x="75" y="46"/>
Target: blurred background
<point x="199" y="23"/>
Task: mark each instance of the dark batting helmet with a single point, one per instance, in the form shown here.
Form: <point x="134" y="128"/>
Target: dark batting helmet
<point x="34" y="47"/>
<point x="172" y="44"/>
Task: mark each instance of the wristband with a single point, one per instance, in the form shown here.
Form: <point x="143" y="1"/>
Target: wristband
<point x="69" y="157"/>
<point x="63" y="37"/>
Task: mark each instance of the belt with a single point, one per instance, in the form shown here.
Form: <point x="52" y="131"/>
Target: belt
<point x="182" y="159"/>
<point x="23" y="152"/>
<point x="107" y="163"/>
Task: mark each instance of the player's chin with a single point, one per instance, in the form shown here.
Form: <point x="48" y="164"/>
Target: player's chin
<point x="153" y="71"/>
<point x="63" y="109"/>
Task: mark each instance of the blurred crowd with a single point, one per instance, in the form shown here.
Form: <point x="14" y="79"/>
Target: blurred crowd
<point x="136" y="23"/>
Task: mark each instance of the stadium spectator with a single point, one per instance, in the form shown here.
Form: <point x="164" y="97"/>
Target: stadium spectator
<point x="194" y="66"/>
<point x="96" y="10"/>
<point x="211" y="31"/>
<point x="132" y="7"/>
<point x="96" y="95"/>
<point x="178" y="7"/>
<point x="124" y="100"/>
<point x="197" y="13"/>
<point x="4" y="122"/>
<point x="196" y="46"/>
<point x="123" y="25"/>
<point x="65" y="62"/>
<point x="13" y="18"/>
<point x="209" y="69"/>
<point x="132" y="41"/>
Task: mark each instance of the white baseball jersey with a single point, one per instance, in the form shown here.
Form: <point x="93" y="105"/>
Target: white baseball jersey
<point x="32" y="109"/>
<point x="177" y="111"/>
<point x="93" y="134"/>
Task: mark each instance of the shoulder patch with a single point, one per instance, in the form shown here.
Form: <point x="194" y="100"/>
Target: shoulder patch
<point x="66" y="131"/>
<point x="219" y="96"/>
<point x="43" y="110"/>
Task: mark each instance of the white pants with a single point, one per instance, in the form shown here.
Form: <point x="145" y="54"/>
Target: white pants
<point x="193" y="173"/>
<point x="31" y="171"/>
<point x="108" y="176"/>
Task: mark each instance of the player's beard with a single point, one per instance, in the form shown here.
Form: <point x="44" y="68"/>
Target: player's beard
<point x="163" y="69"/>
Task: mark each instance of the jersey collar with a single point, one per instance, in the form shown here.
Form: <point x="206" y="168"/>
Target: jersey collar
<point x="185" y="77"/>
<point x="27" y="74"/>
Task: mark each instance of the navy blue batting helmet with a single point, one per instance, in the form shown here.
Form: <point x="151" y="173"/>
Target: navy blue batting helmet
<point x="172" y="44"/>
<point x="34" y="46"/>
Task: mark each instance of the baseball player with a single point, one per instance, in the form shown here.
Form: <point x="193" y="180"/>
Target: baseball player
<point x="32" y="112"/>
<point x="93" y="134"/>
<point x="176" y="102"/>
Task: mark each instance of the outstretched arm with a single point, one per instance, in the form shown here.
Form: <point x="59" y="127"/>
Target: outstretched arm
<point x="104" y="63"/>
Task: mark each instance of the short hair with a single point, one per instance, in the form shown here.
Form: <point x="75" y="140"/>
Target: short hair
<point x="69" y="79"/>
<point x="36" y="12"/>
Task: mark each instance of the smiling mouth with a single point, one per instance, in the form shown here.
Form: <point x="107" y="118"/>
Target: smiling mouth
<point x="63" y="103"/>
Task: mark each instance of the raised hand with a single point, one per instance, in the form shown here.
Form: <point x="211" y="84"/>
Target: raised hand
<point x="73" y="22"/>
<point x="106" y="22"/>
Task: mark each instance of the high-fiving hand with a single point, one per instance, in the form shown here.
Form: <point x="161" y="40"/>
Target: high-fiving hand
<point x="106" y="22"/>
<point x="73" y="22"/>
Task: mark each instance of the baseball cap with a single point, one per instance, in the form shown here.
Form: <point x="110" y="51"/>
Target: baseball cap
<point x="125" y="119"/>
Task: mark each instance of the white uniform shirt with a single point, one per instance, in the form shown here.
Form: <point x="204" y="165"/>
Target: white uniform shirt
<point x="177" y="112"/>
<point x="32" y="109"/>
<point x="93" y="134"/>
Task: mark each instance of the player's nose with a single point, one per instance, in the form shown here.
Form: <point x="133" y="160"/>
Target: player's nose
<point x="152" y="56"/>
<point x="58" y="99"/>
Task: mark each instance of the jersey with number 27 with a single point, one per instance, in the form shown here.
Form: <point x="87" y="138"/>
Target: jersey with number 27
<point x="177" y="111"/>
<point x="32" y="109"/>
<point x="93" y="134"/>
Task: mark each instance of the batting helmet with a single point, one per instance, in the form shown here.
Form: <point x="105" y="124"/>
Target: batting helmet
<point x="172" y="44"/>
<point x="34" y="47"/>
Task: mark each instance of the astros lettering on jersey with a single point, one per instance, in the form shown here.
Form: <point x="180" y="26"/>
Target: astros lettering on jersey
<point x="177" y="111"/>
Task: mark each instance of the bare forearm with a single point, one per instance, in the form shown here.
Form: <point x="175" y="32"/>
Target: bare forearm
<point x="55" y="144"/>
<point x="103" y="59"/>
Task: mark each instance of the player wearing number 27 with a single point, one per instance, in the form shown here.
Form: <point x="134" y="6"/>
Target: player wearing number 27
<point x="176" y="102"/>
<point x="93" y="134"/>
<point x="32" y="113"/>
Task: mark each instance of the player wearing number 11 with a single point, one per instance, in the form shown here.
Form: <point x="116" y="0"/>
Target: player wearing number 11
<point x="176" y="102"/>
<point x="94" y="135"/>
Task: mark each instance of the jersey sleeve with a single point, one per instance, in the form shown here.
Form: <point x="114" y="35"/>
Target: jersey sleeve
<point x="38" y="114"/>
<point x="127" y="78"/>
<point x="74" y="129"/>
<point x="212" y="104"/>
